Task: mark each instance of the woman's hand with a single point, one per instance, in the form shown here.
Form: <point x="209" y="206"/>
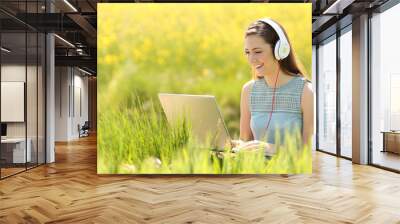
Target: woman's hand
<point x="236" y="143"/>
<point x="254" y="145"/>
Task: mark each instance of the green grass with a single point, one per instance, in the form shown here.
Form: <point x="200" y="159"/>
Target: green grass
<point x="140" y="141"/>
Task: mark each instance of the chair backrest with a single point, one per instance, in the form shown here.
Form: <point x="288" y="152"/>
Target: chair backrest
<point x="86" y="125"/>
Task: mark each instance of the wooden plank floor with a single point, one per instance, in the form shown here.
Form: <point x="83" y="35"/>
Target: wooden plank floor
<point x="70" y="191"/>
<point x="10" y="171"/>
<point x="387" y="159"/>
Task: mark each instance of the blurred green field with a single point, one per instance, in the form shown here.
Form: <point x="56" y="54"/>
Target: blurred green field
<point x="144" y="49"/>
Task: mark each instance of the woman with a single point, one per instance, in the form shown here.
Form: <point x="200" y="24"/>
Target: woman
<point x="278" y="98"/>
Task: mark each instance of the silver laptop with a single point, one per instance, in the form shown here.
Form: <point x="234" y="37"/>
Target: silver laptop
<point x="207" y="124"/>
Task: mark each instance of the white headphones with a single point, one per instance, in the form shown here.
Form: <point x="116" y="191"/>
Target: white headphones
<point x="282" y="46"/>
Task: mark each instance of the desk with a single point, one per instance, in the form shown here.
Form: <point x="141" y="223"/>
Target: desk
<point x="16" y="148"/>
<point x="391" y="141"/>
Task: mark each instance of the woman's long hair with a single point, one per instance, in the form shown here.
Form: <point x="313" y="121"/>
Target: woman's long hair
<point x="290" y="64"/>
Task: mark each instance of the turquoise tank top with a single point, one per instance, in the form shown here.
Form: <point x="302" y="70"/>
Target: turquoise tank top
<point x="287" y="116"/>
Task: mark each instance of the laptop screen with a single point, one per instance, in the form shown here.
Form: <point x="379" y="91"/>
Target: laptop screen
<point x="203" y="114"/>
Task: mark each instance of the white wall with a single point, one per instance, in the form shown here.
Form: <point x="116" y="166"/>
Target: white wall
<point x="80" y="117"/>
<point x="33" y="126"/>
<point x="16" y="73"/>
<point x="71" y="87"/>
<point x="12" y="101"/>
<point x="62" y="81"/>
<point x="13" y="72"/>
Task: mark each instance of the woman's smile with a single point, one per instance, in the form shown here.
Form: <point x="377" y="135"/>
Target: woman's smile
<point x="259" y="67"/>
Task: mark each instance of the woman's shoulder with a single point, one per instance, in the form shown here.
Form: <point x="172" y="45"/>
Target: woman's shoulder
<point x="300" y="85"/>
<point x="305" y="81"/>
<point x="300" y="77"/>
<point x="307" y="89"/>
<point x="302" y="81"/>
<point x="247" y="86"/>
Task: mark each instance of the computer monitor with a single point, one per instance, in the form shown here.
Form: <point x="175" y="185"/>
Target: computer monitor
<point x="3" y="129"/>
<point x="205" y="118"/>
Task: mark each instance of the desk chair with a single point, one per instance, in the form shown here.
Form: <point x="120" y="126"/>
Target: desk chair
<point x="84" y="130"/>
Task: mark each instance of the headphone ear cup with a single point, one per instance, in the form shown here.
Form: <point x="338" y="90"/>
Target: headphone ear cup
<point x="276" y="50"/>
<point x="284" y="50"/>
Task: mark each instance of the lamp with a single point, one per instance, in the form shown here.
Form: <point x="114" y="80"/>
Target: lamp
<point x="64" y="40"/>
<point x="5" y="50"/>
<point x="71" y="6"/>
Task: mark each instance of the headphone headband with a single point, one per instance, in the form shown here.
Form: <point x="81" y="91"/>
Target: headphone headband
<point x="282" y="47"/>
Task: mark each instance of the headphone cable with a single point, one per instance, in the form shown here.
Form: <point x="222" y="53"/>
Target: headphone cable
<point x="273" y="101"/>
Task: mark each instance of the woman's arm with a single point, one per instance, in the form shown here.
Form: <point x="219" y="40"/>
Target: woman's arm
<point x="245" y="131"/>
<point x="307" y="106"/>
